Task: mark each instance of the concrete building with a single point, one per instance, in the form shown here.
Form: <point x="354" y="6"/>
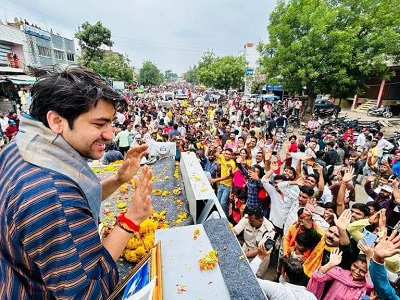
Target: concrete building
<point x="252" y="56"/>
<point x="23" y="45"/>
<point x="14" y="51"/>
<point x="48" y="48"/>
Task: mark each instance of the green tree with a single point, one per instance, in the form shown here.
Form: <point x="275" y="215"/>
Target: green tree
<point x="150" y="74"/>
<point x="223" y="73"/>
<point x="91" y="38"/>
<point x="208" y="58"/>
<point x="114" y="66"/>
<point x="170" y="76"/>
<point x="331" y="46"/>
<point x="191" y="75"/>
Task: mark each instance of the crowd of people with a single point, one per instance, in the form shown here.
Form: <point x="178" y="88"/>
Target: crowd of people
<point x="290" y="197"/>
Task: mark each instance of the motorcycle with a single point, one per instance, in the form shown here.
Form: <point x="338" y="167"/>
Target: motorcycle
<point x="380" y="111"/>
<point x="293" y="121"/>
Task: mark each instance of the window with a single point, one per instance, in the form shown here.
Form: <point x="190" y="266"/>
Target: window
<point x="70" y="56"/>
<point x="43" y="51"/>
<point x="59" y="54"/>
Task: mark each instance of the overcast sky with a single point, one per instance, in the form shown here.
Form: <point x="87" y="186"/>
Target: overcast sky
<point x="171" y="33"/>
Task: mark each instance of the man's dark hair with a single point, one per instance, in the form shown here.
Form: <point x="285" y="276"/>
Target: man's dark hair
<point x="319" y="153"/>
<point x="70" y="93"/>
<point x="256" y="212"/>
<point x="331" y="205"/>
<point x="294" y="270"/>
<point x="229" y="150"/>
<point x="302" y="240"/>
<point x="301" y="148"/>
<point x="373" y="204"/>
<point x="331" y="144"/>
<point x="300" y="211"/>
<point x="315" y="176"/>
<point x="309" y="191"/>
<point x="363" y="207"/>
<point x="291" y="169"/>
<point x="280" y="177"/>
<point x="293" y="136"/>
<point x="260" y="170"/>
<point x="175" y="126"/>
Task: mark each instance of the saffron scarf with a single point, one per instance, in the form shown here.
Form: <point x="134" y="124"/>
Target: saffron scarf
<point x="314" y="261"/>
<point x="41" y="147"/>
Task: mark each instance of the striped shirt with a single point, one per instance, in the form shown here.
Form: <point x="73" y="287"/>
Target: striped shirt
<point x="49" y="244"/>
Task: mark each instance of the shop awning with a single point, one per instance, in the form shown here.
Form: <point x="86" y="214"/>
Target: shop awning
<point x="21" y="79"/>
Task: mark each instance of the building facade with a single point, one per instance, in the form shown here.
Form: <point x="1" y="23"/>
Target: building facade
<point x="14" y="50"/>
<point x="252" y="56"/>
<point x="47" y="48"/>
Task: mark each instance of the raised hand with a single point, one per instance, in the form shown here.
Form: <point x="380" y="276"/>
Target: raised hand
<point x="374" y="219"/>
<point x="388" y="246"/>
<point x="336" y="257"/>
<point x="368" y="251"/>
<point x="140" y="208"/>
<point x="348" y="174"/>
<point x="344" y="220"/>
<point x="300" y="181"/>
<point x="132" y="163"/>
<point x="307" y="219"/>
<point x="274" y="166"/>
<point x="382" y="220"/>
<point x="268" y="156"/>
<point x="318" y="168"/>
<point x="371" y="177"/>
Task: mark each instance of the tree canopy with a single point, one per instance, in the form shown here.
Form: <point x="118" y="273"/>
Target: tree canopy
<point x="170" y="76"/>
<point x="150" y="74"/>
<point x="222" y="72"/>
<point x="331" y="46"/>
<point x="191" y="75"/>
<point x="114" y="66"/>
<point x="91" y="38"/>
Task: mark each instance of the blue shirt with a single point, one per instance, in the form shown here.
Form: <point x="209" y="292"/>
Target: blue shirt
<point x="381" y="283"/>
<point x="253" y="187"/>
<point x="49" y="244"/>
<point x="396" y="168"/>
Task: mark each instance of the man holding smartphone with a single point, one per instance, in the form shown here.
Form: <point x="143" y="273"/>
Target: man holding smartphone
<point x="256" y="230"/>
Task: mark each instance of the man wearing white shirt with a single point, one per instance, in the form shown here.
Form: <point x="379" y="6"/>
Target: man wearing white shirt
<point x="382" y="144"/>
<point x="292" y="289"/>
<point x="280" y="204"/>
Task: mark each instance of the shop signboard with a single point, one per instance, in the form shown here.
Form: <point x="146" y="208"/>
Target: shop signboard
<point x="37" y="32"/>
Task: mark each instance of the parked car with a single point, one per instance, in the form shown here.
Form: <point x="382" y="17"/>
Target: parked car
<point x="321" y="106"/>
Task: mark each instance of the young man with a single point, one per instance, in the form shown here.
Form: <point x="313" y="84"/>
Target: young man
<point x="228" y="166"/>
<point x="50" y="247"/>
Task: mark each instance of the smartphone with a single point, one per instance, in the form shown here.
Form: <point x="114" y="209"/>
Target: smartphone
<point x="315" y="209"/>
<point x="269" y="243"/>
<point x="368" y="238"/>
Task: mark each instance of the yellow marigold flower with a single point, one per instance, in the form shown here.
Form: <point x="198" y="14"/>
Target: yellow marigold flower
<point x="130" y="255"/>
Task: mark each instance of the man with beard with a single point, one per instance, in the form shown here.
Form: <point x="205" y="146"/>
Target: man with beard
<point x="384" y="197"/>
<point x="383" y="170"/>
<point x="335" y="237"/>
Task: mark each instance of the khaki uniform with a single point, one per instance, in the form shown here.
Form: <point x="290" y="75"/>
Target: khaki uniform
<point x="253" y="236"/>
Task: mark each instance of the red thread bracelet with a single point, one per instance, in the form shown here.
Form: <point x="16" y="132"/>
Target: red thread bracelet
<point x="130" y="224"/>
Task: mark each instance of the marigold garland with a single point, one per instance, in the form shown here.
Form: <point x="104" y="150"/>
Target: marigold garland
<point x="209" y="261"/>
<point x="141" y="242"/>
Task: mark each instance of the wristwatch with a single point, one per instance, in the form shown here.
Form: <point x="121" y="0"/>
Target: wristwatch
<point x="126" y="224"/>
